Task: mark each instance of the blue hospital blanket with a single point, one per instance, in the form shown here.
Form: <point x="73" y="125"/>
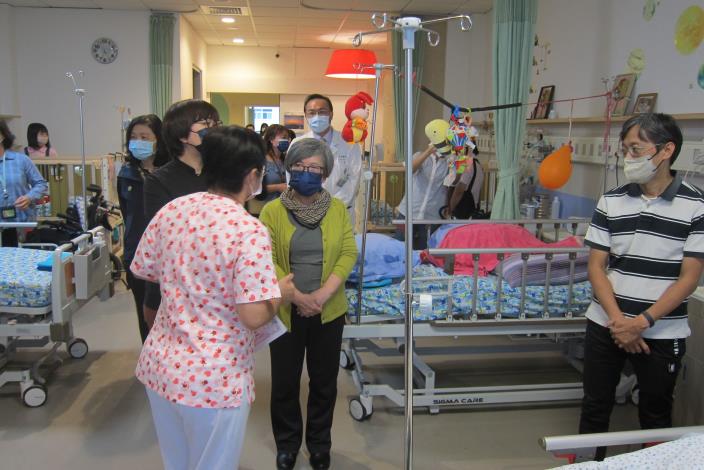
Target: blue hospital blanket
<point x="21" y="283"/>
<point x="390" y="300"/>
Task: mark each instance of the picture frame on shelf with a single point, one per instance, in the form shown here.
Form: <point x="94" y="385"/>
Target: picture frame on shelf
<point x="545" y="97"/>
<point x="645" y="103"/>
<point x="622" y="89"/>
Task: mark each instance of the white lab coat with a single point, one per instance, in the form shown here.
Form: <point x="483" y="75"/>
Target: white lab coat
<point x="343" y="182"/>
<point x="429" y="194"/>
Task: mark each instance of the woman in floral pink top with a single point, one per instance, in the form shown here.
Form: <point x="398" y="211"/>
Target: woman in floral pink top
<point x="218" y="283"/>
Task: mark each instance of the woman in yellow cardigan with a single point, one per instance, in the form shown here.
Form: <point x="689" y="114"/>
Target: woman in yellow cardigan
<point x="312" y="238"/>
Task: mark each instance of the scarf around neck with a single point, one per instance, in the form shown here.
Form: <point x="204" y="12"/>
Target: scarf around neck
<point x="309" y="215"/>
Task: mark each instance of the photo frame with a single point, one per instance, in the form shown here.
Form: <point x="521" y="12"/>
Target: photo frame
<point x="294" y="121"/>
<point x="622" y="89"/>
<point x="645" y="103"/>
<point x="545" y="97"/>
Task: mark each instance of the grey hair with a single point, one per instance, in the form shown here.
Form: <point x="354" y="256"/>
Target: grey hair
<point x="308" y="147"/>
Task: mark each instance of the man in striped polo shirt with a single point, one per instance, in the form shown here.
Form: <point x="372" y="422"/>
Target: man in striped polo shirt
<point x="646" y="259"/>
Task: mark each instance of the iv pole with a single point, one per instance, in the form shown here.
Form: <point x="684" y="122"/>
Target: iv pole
<point x="408" y="26"/>
<point x="368" y="175"/>
<point x="81" y="93"/>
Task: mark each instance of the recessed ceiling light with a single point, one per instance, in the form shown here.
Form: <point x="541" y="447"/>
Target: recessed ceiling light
<point x="227" y="19"/>
<point x="238" y="41"/>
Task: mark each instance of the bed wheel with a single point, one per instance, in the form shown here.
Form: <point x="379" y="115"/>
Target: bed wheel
<point x="78" y="348"/>
<point x="359" y="411"/>
<point x="346" y="361"/>
<point x="34" y="396"/>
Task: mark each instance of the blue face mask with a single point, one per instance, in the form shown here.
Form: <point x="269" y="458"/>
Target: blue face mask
<point x="141" y="149"/>
<point x="306" y="183"/>
<point x="283" y="145"/>
<point x="319" y="124"/>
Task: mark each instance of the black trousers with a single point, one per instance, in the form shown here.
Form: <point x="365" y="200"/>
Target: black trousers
<point x="9" y="237"/>
<point x="320" y="344"/>
<point x="137" y="286"/>
<point x="656" y="373"/>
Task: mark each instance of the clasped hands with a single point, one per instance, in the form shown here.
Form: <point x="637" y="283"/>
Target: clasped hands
<point x="311" y="304"/>
<point x="626" y="333"/>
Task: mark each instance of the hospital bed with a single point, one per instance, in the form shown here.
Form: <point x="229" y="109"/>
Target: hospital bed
<point x="539" y="318"/>
<point x="672" y="448"/>
<point x="37" y="306"/>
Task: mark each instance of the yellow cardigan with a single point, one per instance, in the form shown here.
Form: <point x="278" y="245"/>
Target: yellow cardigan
<point x="339" y="251"/>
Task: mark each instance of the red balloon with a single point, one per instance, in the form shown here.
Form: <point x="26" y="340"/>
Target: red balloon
<point x="556" y="169"/>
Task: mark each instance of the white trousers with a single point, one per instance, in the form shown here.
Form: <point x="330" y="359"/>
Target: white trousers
<point x="198" y="438"/>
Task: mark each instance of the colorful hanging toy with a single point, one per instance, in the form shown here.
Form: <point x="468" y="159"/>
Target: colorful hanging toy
<point x="461" y="135"/>
<point x="355" y="129"/>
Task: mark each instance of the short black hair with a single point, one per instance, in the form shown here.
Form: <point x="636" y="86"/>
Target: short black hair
<point x="32" y="131"/>
<point x="316" y="96"/>
<point x="270" y="134"/>
<point x="152" y="121"/>
<point x="8" y="138"/>
<point x="229" y="154"/>
<point x="658" y="128"/>
<point x="178" y="121"/>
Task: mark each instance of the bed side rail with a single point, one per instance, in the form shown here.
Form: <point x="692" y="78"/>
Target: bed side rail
<point x="525" y="253"/>
<point x="580" y="446"/>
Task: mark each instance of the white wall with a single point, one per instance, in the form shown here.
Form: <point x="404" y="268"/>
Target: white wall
<point x="468" y="69"/>
<point x="8" y="69"/>
<point x="51" y="42"/>
<point x="591" y="40"/>
<point x="192" y="52"/>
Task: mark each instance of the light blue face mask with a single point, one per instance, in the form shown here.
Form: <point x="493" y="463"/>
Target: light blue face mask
<point x="319" y="124"/>
<point x="141" y="149"/>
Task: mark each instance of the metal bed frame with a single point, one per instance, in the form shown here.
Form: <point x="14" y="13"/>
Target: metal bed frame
<point x="581" y="447"/>
<point x="563" y="333"/>
<point x="87" y="272"/>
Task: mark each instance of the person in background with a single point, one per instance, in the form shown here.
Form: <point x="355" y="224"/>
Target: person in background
<point x="250" y="127"/>
<point x="38" y="145"/>
<point x="21" y="186"/>
<point x="145" y="153"/>
<point x="185" y="124"/>
<point x="263" y="128"/>
<point x="646" y="259"/>
<point x="215" y="267"/>
<point x="312" y="239"/>
<point x="463" y="197"/>
<point x="277" y="141"/>
<point x="429" y="170"/>
<point x="343" y="182"/>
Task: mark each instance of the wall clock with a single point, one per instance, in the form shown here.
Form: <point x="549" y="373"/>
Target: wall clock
<point x="104" y="50"/>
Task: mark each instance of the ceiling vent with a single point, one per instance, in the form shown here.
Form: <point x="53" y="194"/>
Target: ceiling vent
<point x="225" y="11"/>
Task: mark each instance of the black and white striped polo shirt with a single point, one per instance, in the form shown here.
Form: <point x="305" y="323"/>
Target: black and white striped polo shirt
<point x="646" y="240"/>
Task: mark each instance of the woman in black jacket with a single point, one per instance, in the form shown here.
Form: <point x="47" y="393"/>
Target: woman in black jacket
<point x="145" y="153"/>
<point x="185" y="124"/>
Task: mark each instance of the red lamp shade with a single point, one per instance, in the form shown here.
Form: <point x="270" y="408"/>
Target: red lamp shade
<point x="344" y="63"/>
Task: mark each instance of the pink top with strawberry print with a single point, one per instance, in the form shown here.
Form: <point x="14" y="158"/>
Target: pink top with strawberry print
<point x="209" y="255"/>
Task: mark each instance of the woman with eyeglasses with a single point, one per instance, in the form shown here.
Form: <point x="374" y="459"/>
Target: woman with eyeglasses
<point x="312" y="238"/>
<point x="185" y="124"/>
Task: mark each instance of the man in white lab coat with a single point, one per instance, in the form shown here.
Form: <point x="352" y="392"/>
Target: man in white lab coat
<point x="343" y="182"/>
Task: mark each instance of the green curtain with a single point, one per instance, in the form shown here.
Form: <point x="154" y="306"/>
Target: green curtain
<point x="399" y="56"/>
<point x="514" y="22"/>
<point x="161" y="60"/>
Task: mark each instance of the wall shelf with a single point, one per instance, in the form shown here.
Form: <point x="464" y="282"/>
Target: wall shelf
<point x="600" y="119"/>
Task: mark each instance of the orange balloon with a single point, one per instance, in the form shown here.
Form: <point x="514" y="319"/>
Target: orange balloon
<point x="556" y="169"/>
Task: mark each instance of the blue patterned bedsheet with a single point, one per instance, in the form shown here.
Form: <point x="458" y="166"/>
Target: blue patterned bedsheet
<point x="21" y="283"/>
<point x="390" y="300"/>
